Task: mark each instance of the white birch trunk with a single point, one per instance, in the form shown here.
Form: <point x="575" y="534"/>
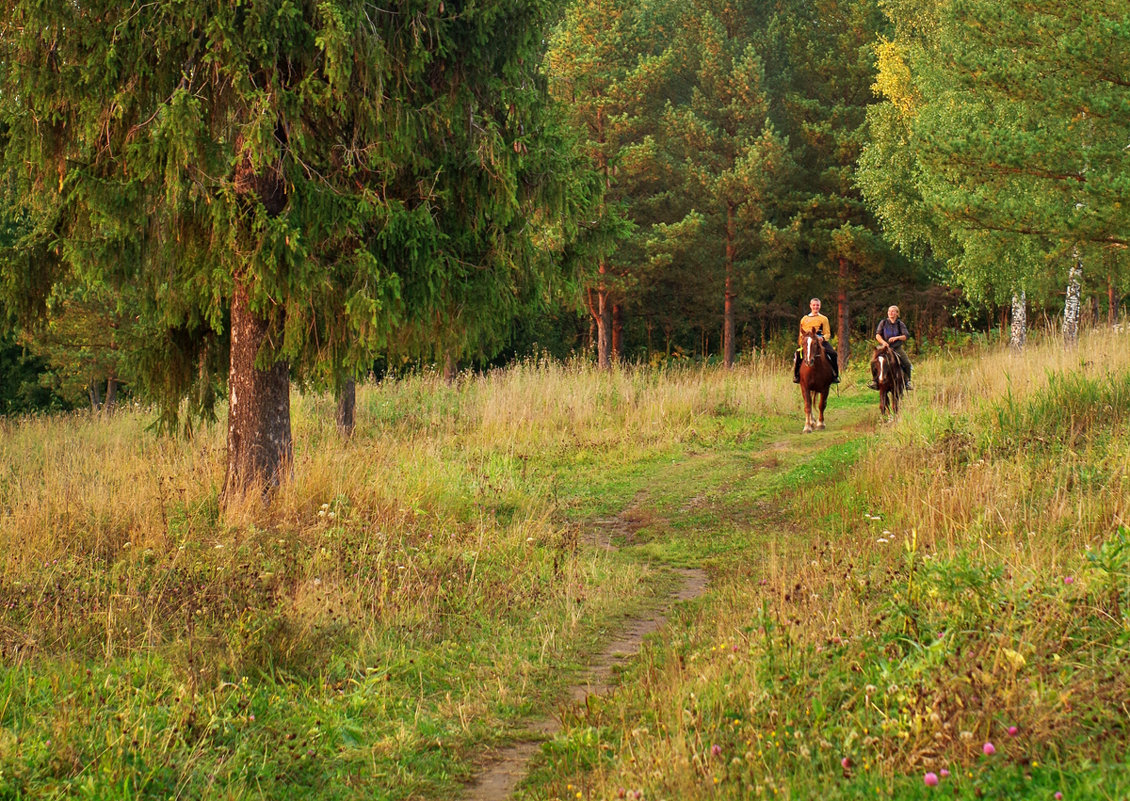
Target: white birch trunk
<point x="1071" y="305"/>
<point x="1019" y="334"/>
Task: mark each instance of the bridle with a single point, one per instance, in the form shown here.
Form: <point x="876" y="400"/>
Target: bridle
<point x="812" y="342"/>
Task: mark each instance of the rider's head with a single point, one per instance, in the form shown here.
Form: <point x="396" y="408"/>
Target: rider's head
<point x="893" y="313"/>
<point x="814" y="304"/>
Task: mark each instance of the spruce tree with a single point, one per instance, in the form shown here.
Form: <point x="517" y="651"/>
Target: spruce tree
<point x="298" y="183"/>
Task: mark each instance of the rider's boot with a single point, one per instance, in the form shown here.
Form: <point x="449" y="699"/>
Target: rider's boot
<point x="873" y="385"/>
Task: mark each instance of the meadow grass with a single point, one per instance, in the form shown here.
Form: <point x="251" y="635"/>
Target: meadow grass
<point x="892" y="596"/>
<point x="406" y="600"/>
<point x="948" y="596"/>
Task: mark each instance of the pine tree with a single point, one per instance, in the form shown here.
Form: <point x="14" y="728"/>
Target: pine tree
<point x="730" y="155"/>
<point x="829" y="66"/>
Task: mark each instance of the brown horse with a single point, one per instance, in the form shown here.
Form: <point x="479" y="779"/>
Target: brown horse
<point x="816" y="376"/>
<point x="886" y="369"/>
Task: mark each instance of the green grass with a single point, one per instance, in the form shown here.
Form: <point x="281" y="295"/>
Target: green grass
<point x="891" y="594"/>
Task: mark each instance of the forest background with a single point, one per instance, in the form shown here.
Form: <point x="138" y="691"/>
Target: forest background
<point x="711" y="165"/>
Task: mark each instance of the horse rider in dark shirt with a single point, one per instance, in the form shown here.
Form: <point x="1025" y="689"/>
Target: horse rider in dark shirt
<point x="893" y="333"/>
<point x="818" y="323"/>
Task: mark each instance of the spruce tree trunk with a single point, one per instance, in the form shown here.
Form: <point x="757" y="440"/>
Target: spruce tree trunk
<point x="259" y="443"/>
<point x="843" y="327"/>
<point x="346" y="397"/>
<point x="728" y="309"/>
<point x="1071" y="305"/>
<point x="1018" y="335"/>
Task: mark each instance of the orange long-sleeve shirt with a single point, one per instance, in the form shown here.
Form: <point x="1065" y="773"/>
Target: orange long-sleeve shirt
<point x="814" y="322"/>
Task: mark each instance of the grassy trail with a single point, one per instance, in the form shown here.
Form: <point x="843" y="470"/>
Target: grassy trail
<point x="706" y="514"/>
<point x="669" y="510"/>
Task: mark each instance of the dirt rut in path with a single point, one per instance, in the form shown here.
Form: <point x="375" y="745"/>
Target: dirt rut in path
<point x="508" y="766"/>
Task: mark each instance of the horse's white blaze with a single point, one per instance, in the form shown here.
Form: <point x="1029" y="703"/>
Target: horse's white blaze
<point x="808" y="350"/>
<point x="882" y="366"/>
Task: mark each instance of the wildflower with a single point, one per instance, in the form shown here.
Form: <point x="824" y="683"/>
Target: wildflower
<point x="1058" y="796"/>
<point x="1013" y="731"/>
<point x="988" y="749"/>
<point x="931" y="779"/>
<point x="883" y="540"/>
<point x="845" y="763"/>
<point x="943" y="773"/>
<point x="1069" y="579"/>
<point x="716" y="749"/>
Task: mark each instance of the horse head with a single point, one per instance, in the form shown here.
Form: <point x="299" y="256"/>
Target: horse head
<point x="812" y="349"/>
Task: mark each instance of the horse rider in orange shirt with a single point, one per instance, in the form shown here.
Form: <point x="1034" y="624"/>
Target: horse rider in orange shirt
<point x="817" y="322"/>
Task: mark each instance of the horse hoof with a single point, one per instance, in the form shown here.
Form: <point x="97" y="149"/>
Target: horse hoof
<point x="819" y="426"/>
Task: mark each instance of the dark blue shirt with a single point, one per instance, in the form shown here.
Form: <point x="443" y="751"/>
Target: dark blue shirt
<point x="886" y="329"/>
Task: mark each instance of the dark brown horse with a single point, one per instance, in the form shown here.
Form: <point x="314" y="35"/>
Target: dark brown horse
<point x="816" y="376"/>
<point x="886" y="369"/>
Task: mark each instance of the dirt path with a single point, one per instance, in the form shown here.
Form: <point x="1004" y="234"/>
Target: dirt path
<point x="509" y="765"/>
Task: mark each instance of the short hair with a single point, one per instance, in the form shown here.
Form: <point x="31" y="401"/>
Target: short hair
<point x="815" y="300"/>
<point x="892" y="306"/>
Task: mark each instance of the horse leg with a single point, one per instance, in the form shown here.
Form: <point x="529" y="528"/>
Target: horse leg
<point x="807" y="410"/>
<point x="823" y="403"/>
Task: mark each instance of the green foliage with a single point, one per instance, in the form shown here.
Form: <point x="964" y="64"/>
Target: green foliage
<point x="26" y="382"/>
<point x="364" y="175"/>
<point x="1000" y="142"/>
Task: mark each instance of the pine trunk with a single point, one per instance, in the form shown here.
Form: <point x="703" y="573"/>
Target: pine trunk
<point x="111" y="396"/>
<point x="843" y="327"/>
<point x="1111" y="302"/>
<point x="259" y="444"/>
<point x="603" y="325"/>
<point x="1018" y="335"/>
<point x="346" y="397"/>
<point x="450" y="368"/>
<point x="728" y="311"/>
<point x="95" y="396"/>
<point x="1071" y="305"/>
<point x="617" y="332"/>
